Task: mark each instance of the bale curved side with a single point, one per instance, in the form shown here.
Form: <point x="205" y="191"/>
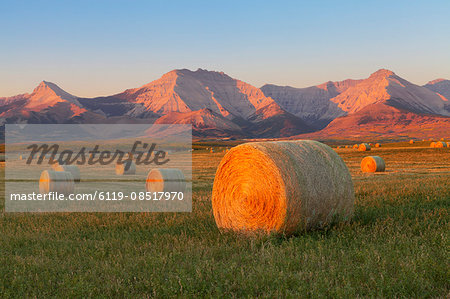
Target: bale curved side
<point x="373" y="164"/>
<point x="281" y="187"/>
<point x="165" y="180"/>
<point x="56" y="181"/>
<point x="120" y="169"/>
<point x="440" y="144"/>
<point x="73" y="169"/>
<point x="364" y="147"/>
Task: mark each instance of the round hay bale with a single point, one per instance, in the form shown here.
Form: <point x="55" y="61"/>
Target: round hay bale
<point x="440" y="144"/>
<point x="448" y="144"/>
<point x="411" y="141"/>
<point x="346" y="146"/>
<point x="165" y="180"/>
<point x="338" y="147"/>
<point x="377" y="145"/>
<point x="120" y="168"/>
<point x="433" y="144"/>
<point x="373" y="164"/>
<point x="371" y="144"/>
<point x="56" y="181"/>
<point x="73" y="169"/>
<point x="355" y="145"/>
<point x="364" y="147"/>
<point x="281" y="187"/>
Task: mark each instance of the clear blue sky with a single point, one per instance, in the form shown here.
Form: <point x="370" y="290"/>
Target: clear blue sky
<point x="93" y="48"/>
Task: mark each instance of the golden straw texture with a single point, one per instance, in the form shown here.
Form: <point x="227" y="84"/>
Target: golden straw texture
<point x="165" y="180"/>
<point x="364" y="147"/>
<point x="440" y="144"/>
<point x="373" y="164"/>
<point x="433" y="144"/>
<point x="56" y="181"/>
<point x="355" y="145"/>
<point x="281" y="187"/>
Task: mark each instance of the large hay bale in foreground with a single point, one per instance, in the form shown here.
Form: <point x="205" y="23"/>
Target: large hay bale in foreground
<point x="120" y="168"/>
<point x="73" y="169"/>
<point x="364" y="147"/>
<point x="373" y="164"/>
<point x="440" y="144"/>
<point x="56" y="181"/>
<point x="165" y="180"/>
<point x="281" y="187"/>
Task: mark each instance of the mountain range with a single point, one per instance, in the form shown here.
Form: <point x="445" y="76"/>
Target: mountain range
<point x="218" y="106"/>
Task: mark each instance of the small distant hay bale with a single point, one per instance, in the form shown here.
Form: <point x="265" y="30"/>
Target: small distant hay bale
<point x="364" y="147"/>
<point x="73" y="169"/>
<point x="371" y="144"/>
<point x="373" y="164"/>
<point x="281" y="187"/>
<point x="346" y="146"/>
<point x="165" y="180"/>
<point x="433" y="144"/>
<point x="411" y="141"/>
<point x="377" y="145"/>
<point x="440" y="144"/>
<point x="122" y="170"/>
<point x="355" y="145"/>
<point x="56" y="181"/>
<point x="448" y="144"/>
<point x="338" y="147"/>
<point x="442" y="139"/>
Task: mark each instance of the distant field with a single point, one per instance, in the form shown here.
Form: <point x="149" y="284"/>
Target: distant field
<point x="397" y="245"/>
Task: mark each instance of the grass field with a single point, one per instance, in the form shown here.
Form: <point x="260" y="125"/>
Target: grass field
<point x="397" y="245"/>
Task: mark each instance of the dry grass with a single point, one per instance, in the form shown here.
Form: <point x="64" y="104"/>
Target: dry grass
<point x="397" y="245"/>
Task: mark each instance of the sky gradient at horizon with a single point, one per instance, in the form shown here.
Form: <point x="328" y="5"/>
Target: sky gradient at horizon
<point x="94" y="48"/>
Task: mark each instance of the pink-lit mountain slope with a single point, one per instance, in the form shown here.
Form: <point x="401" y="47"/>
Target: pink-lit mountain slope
<point x="46" y="104"/>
